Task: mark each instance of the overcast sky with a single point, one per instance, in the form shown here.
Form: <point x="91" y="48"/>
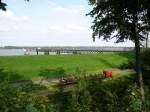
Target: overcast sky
<point x="48" y="23"/>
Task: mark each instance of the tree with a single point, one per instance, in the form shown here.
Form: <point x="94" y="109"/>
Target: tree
<point x="122" y="19"/>
<point x="3" y="5"/>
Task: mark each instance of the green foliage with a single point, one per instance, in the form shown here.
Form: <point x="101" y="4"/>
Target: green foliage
<point x="81" y="99"/>
<point x="91" y="2"/>
<point x="121" y="20"/>
<point x="95" y="94"/>
<point x="132" y="97"/>
<point x="20" y="99"/>
<point x="3" y="6"/>
<point x="145" y="71"/>
<point x="61" y="100"/>
<point x="90" y="94"/>
<point x="31" y="108"/>
<point x="128" y="65"/>
<point x="9" y="76"/>
<point x="146" y="60"/>
<point x="145" y="65"/>
<point x="147" y="97"/>
<point x="119" y="16"/>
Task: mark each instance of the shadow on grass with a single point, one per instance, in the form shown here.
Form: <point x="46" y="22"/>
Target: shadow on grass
<point x="9" y="76"/>
<point x="145" y="64"/>
<point x="105" y="62"/>
<point x="15" y="80"/>
<point x="127" y="55"/>
<point x="52" y="73"/>
<point x="130" y="63"/>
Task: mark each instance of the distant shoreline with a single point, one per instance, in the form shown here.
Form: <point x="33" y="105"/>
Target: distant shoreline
<point x="35" y="47"/>
<point x="12" y="51"/>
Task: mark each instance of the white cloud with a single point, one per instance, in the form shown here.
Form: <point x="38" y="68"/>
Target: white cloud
<point x="15" y="27"/>
<point x="68" y="29"/>
<point x="14" y="0"/>
<point x="9" y="15"/>
<point x="24" y="18"/>
<point x="73" y="9"/>
<point x="10" y="22"/>
<point x="76" y="28"/>
<point x="66" y="10"/>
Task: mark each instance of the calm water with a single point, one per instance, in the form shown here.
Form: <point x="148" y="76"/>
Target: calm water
<point x="19" y="52"/>
<point x="14" y="52"/>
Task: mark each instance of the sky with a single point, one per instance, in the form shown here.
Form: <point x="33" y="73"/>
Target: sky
<point x="49" y="23"/>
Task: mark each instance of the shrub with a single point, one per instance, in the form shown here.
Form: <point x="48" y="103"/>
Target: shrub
<point x="94" y="94"/>
<point x="81" y="99"/>
<point x="19" y="100"/>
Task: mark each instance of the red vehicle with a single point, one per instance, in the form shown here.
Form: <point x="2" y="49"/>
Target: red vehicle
<point x="107" y="74"/>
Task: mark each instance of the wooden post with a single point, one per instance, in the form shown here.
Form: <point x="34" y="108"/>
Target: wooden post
<point x="37" y="52"/>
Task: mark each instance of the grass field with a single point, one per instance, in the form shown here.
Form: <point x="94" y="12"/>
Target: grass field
<point x="34" y="67"/>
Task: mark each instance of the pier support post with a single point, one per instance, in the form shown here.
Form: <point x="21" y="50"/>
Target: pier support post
<point x="75" y="52"/>
<point x="46" y="52"/>
<point x="37" y="52"/>
<point x="58" y="52"/>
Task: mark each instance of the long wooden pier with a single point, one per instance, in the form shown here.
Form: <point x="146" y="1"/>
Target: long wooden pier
<point x="79" y="50"/>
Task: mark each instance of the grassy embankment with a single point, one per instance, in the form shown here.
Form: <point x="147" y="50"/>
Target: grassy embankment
<point x="33" y="67"/>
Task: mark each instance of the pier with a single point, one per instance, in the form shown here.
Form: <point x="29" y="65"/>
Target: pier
<point x="81" y="50"/>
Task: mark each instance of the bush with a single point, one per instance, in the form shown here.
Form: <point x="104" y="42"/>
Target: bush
<point x="19" y="100"/>
<point x="81" y="99"/>
<point x="128" y="65"/>
<point x="9" y="76"/>
<point x="94" y="94"/>
<point x="90" y="94"/>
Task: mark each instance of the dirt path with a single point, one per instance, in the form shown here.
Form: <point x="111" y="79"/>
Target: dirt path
<point x="116" y="73"/>
<point x="42" y="82"/>
<point x="55" y="81"/>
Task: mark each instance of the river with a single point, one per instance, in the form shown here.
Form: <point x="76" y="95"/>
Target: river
<point x="14" y="52"/>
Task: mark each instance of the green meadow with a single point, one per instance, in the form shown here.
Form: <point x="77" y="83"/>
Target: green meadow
<point x="35" y="67"/>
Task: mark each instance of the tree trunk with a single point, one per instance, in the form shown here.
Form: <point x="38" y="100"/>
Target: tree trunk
<point x="138" y="57"/>
<point x="147" y="44"/>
